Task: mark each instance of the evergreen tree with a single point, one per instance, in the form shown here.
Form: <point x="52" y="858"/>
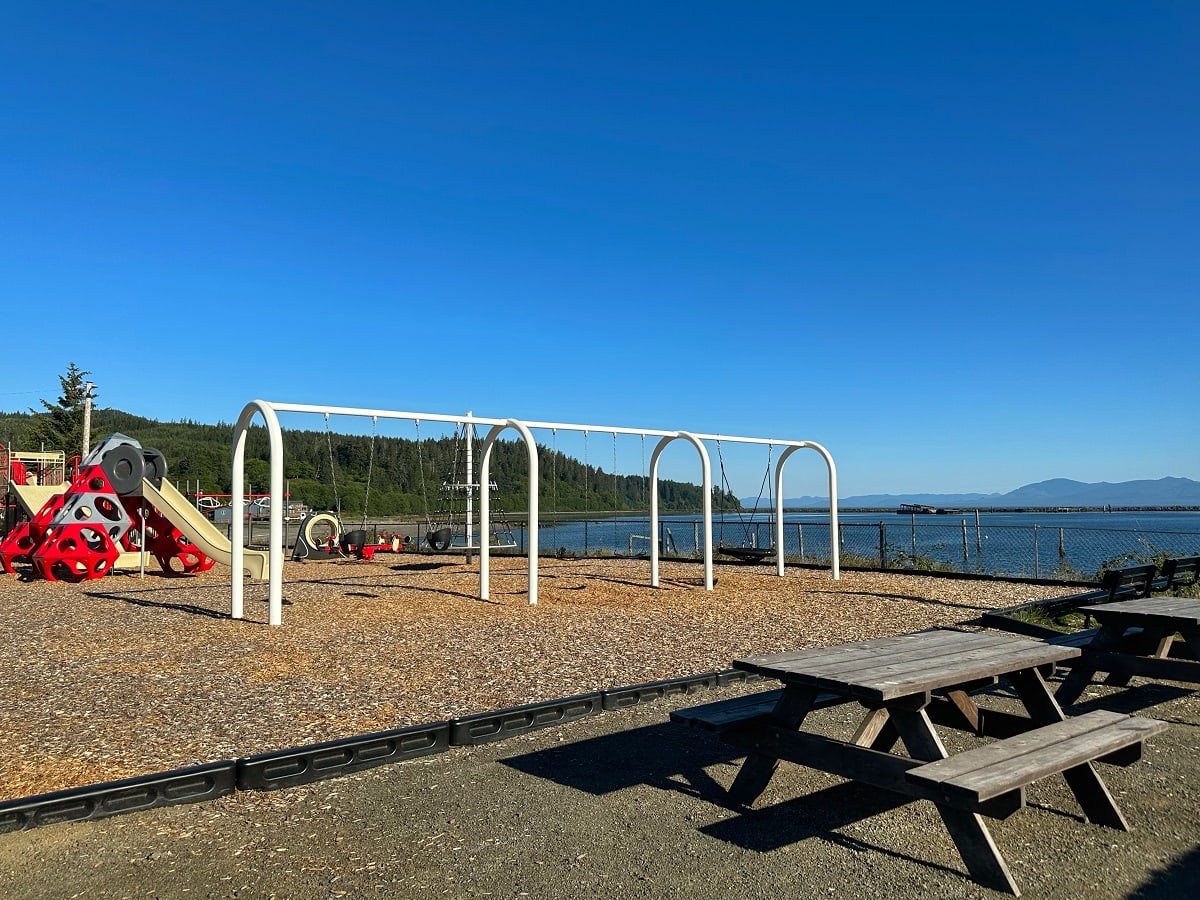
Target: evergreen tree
<point x="60" y="427"/>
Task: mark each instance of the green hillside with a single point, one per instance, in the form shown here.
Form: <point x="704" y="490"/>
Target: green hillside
<point x="404" y="477"/>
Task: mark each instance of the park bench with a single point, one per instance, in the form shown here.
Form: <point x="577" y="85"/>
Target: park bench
<point x="1125" y="583"/>
<point x="1179" y="572"/>
<point x="991" y="779"/>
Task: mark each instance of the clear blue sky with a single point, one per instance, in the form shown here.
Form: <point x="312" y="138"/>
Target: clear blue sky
<point x="949" y="241"/>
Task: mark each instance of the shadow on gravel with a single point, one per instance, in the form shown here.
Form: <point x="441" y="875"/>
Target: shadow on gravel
<point x="1177" y="880"/>
<point x="672" y="758"/>
<point x="818" y="815"/>
<point x="665" y="756"/>
<point x="141" y="601"/>
<point x="1132" y="699"/>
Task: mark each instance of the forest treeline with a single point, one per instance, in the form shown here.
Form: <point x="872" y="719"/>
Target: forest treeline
<point x="327" y="470"/>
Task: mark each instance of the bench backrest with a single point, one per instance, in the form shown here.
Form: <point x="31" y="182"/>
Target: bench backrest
<point x="1181" y="572"/>
<point x="1129" y="583"/>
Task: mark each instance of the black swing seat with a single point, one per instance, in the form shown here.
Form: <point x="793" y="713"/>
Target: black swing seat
<point x="747" y="554"/>
<point x="440" y="539"/>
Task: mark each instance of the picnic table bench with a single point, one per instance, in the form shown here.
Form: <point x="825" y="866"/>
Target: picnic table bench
<point x="1137" y="637"/>
<point x="896" y="680"/>
<point x="1127" y="583"/>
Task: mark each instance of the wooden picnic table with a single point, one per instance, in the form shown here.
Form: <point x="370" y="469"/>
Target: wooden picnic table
<point x="1137" y="637"/>
<point x="896" y="679"/>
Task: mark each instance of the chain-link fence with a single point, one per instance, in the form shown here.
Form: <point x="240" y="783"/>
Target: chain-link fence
<point x="1050" y="552"/>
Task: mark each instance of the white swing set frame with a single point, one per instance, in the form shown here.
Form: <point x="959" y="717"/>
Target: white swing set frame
<point x="269" y="411"/>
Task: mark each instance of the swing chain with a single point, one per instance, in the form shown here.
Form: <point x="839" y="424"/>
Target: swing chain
<point x="337" y="500"/>
<point x="370" y="470"/>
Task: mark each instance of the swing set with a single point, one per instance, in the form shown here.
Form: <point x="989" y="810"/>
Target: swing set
<point x="322" y="534"/>
<point x="269" y="411"/>
<point x="453" y="527"/>
<point x="748" y="550"/>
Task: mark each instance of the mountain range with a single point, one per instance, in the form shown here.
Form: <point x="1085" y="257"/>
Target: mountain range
<point x="1053" y="493"/>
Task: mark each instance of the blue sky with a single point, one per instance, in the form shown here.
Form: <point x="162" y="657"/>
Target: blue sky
<point x="949" y="241"/>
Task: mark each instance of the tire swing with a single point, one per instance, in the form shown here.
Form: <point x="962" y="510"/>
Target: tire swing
<point x="321" y="530"/>
<point x="749" y="551"/>
<point x="353" y="542"/>
<point x="438" y="539"/>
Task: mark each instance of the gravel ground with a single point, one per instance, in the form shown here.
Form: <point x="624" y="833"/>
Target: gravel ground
<point x="624" y="804"/>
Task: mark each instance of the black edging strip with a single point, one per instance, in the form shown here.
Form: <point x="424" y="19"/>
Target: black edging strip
<point x="481" y="728"/>
<point x="624" y="697"/>
<point x="189" y="785"/>
<point x="332" y="759"/>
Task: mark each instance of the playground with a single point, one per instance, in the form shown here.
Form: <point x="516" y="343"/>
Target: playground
<point x="394" y="641"/>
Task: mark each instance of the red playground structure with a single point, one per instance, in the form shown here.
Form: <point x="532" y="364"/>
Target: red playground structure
<point x="81" y="533"/>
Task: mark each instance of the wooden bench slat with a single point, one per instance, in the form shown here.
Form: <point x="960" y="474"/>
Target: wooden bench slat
<point x="723" y="715"/>
<point x="986" y="772"/>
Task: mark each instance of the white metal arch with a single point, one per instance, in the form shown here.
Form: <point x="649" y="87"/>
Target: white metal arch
<point x="236" y="529"/>
<point x="485" y="509"/>
<point x="706" y="481"/>
<point x="834" y="558"/>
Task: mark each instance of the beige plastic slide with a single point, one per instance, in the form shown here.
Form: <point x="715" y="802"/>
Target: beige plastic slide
<point x="33" y="497"/>
<point x="201" y="532"/>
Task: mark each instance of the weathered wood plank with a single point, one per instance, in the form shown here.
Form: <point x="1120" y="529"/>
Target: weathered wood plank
<point x="895" y="667"/>
<point x="985" y="772"/>
<point x="743" y="711"/>
<point x="1148" y="611"/>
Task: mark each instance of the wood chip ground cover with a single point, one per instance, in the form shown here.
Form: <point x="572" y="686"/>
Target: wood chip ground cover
<point x="128" y="676"/>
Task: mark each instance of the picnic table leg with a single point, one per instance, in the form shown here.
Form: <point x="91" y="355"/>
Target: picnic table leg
<point x="758" y="769"/>
<point x="1085" y="783"/>
<point x="877" y="731"/>
<point x="1153" y="641"/>
<point x="1081" y="674"/>
<point x="967" y="829"/>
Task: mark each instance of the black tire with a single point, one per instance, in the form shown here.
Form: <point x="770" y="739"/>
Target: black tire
<point x="440" y="539"/>
<point x="123" y="466"/>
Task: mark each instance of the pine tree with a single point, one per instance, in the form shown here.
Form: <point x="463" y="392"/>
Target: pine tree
<point x="60" y="426"/>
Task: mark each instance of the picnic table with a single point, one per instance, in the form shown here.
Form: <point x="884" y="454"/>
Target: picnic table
<point x="1137" y="637"/>
<point x="908" y="683"/>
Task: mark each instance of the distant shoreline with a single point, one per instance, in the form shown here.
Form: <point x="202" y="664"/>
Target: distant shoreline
<point x="998" y="509"/>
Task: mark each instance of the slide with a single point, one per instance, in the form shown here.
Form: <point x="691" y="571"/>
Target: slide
<point x="33" y="497"/>
<point x="193" y="524"/>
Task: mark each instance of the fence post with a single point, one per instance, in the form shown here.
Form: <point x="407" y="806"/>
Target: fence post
<point x="1035" y="551"/>
<point x="964" y="532"/>
<point x="882" y="546"/>
<point x="800" y="539"/>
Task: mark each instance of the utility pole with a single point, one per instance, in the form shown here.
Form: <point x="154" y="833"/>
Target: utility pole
<point x="87" y="419"/>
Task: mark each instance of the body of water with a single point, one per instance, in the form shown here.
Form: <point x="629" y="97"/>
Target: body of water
<point x="1067" y="545"/>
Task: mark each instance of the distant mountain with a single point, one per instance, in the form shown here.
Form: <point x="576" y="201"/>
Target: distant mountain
<point x="1055" y="492"/>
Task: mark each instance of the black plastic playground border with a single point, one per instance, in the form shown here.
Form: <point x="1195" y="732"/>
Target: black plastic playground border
<point x="333" y="759"/>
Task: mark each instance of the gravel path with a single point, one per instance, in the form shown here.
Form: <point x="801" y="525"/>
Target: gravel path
<point x="624" y="804"/>
<point x="126" y="676"/>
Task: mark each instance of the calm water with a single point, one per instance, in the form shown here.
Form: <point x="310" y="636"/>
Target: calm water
<point x="1071" y="546"/>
